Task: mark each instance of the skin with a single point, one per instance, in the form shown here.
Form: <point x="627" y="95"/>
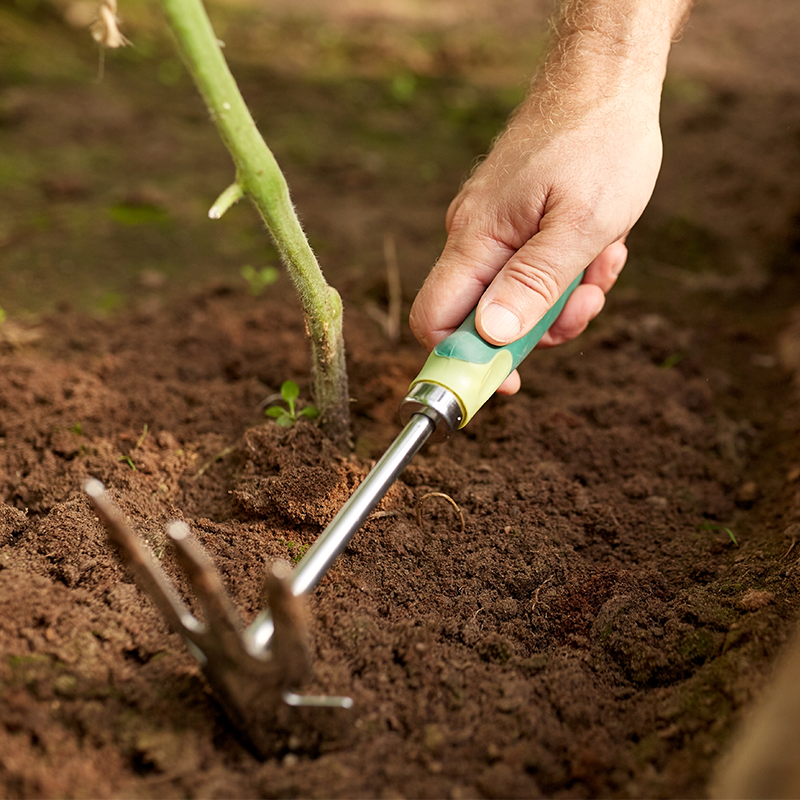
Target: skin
<point x="562" y="186"/>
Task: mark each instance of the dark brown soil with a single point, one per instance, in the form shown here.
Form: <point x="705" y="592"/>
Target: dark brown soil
<point x="628" y="569"/>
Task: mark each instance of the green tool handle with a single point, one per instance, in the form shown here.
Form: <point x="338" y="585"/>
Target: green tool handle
<point x="472" y="369"/>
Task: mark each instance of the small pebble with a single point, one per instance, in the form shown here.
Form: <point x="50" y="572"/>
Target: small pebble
<point x="152" y="279"/>
<point x="747" y="494"/>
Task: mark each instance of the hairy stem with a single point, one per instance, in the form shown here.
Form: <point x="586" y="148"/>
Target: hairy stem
<point x="259" y="177"/>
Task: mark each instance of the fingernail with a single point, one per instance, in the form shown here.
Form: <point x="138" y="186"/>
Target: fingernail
<point x="618" y="266"/>
<point x="500" y="323"/>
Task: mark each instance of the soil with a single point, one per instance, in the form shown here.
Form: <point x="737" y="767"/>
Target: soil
<point x="627" y="571"/>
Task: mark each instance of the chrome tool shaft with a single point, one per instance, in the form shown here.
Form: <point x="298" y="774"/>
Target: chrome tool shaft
<point x="431" y="412"/>
<point x="333" y="540"/>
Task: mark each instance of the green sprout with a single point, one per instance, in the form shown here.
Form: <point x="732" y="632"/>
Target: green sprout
<point x="287" y="417"/>
<point x="258" y="279"/>
<point x="707" y="526"/>
<point x="2" y="316"/>
<point x="300" y="552"/>
<point x="140" y="440"/>
<point x="129" y="461"/>
<point x="670" y="361"/>
<point x="296" y="550"/>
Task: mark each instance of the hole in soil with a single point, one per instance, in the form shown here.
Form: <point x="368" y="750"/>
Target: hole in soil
<point x="137" y="655"/>
<point x="141" y="765"/>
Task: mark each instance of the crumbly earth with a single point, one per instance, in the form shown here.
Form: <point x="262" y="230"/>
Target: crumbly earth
<point x="613" y="569"/>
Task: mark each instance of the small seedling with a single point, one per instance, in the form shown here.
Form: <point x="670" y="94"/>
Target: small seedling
<point x="299" y="552"/>
<point x="258" y="279"/>
<point x="286" y="417"/>
<point x="296" y="551"/>
<point x="672" y="360"/>
<point x="140" y="440"/>
<point x="2" y="316"/>
<point x="707" y="526"/>
<point x="129" y="461"/>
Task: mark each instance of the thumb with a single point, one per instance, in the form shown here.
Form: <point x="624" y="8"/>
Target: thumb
<point x="468" y="264"/>
<point x="528" y="285"/>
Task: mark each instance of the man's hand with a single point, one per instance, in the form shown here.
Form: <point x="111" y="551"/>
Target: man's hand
<point x="560" y="190"/>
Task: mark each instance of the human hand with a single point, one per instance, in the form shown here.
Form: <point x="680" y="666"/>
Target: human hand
<point x="558" y="194"/>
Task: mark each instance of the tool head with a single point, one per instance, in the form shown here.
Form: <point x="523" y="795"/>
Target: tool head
<point x="251" y="683"/>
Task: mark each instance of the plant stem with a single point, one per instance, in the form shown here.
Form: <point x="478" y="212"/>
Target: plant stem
<point x="260" y="178"/>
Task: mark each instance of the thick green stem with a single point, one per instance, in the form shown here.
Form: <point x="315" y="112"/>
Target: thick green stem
<point x="260" y="178"/>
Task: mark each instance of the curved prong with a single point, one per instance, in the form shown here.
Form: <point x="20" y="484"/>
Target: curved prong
<point x="221" y="616"/>
<point x="145" y="567"/>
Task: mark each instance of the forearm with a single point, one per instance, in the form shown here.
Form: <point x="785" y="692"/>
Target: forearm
<point x="605" y="47"/>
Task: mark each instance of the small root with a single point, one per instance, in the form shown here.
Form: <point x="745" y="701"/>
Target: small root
<point x="213" y="460"/>
<point x="445" y="497"/>
<point x="539" y="588"/>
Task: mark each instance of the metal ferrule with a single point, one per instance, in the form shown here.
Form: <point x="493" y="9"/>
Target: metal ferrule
<point x="440" y="405"/>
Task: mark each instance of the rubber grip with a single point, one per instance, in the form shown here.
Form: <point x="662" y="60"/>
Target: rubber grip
<point x="472" y="369"/>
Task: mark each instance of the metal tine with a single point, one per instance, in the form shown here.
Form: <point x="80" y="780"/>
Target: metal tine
<point x="146" y="569"/>
<point x="289" y="644"/>
<point x="221" y="617"/>
<point x="248" y="679"/>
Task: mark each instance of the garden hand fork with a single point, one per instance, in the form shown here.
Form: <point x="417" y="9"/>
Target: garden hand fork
<point x="250" y="683"/>
<point x="253" y="670"/>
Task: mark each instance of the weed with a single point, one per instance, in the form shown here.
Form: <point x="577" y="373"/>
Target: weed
<point x="707" y="526"/>
<point x="286" y="417"/>
<point x="129" y="461"/>
<point x="671" y="360"/>
<point x="296" y="550"/>
<point x="258" y="279"/>
<point x="77" y="429"/>
<point x="140" y="440"/>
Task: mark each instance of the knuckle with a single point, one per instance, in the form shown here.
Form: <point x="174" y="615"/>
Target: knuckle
<point x="590" y="219"/>
<point x="602" y="219"/>
<point x="537" y="279"/>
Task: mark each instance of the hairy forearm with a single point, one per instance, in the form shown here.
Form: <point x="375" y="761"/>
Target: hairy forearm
<point x="605" y="47"/>
<point x="630" y="28"/>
